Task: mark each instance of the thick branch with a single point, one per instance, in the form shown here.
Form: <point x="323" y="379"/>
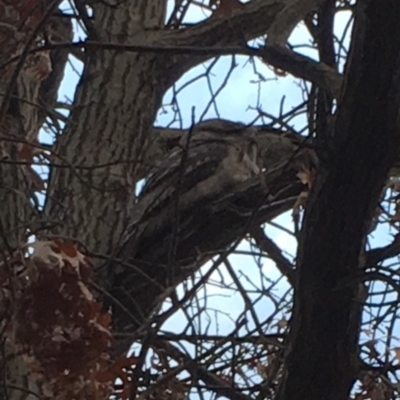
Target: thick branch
<point x="60" y="31"/>
<point x="257" y="18"/>
<point x="303" y="67"/>
<point x="179" y="59"/>
<point x="250" y="22"/>
<point x="277" y="18"/>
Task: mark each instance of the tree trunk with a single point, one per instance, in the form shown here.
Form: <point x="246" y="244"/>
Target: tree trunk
<point x="107" y="138"/>
<point x="21" y="116"/>
<point x="327" y="310"/>
<point x="116" y="103"/>
<point x="108" y="141"/>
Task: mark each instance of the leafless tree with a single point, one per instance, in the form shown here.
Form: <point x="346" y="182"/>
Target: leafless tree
<point x="209" y="188"/>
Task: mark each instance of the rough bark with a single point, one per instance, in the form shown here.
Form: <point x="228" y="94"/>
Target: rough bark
<point x="325" y="323"/>
<point x="116" y="103"/>
<point x="18" y="118"/>
<point x="21" y="115"/>
<point x="108" y="133"/>
<point x="114" y="110"/>
<point x="276" y="18"/>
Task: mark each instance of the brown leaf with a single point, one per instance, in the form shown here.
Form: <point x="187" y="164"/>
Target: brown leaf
<point x="25" y="152"/>
<point x="67" y="247"/>
<point x="373" y="352"/>
<point x="306" y="176"/>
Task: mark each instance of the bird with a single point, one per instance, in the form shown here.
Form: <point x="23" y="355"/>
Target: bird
<point x="190" y="195"/>
<point x="211" y="159"/>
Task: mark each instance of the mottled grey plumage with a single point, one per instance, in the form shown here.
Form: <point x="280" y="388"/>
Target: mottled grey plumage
<point x="210" y="162"/>
<point x="217" y="176"/>
<point x="219" y="156"/>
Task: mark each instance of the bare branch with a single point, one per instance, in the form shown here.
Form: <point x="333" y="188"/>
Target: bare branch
<point x="303" y="67"/>
<point x="267" y="245"/>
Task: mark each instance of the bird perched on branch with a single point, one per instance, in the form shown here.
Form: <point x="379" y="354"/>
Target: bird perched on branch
<point x="211" y="159"/>
<point x="213" y="180"/>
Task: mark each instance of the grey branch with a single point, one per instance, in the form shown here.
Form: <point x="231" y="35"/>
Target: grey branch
<point x="258" y="17"/>
<point x="303" y="67"/>
<point x="277" y="18"/>
<point x="286" y="20"/>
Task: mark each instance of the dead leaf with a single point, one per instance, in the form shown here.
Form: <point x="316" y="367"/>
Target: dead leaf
<point x="306" y="176"/>
<point x="373" y="352"/>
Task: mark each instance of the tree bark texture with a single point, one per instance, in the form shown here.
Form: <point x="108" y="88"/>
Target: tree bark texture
<point x="107" y="138"/>
<point x="103" y="148"/>
<point x="26" y="96"/>
<point x="322" y="362"/>
<point x="109" y="144"/>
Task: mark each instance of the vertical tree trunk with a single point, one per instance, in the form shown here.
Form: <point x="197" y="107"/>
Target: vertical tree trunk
<point x="103" y="144"/>
<point x="115" y="106"/>
<point x="327" y="312"/>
